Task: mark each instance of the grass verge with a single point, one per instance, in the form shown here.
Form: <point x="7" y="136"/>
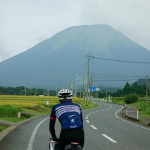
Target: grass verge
<point x="2" y="128"/>
<point x="143" y="106"/>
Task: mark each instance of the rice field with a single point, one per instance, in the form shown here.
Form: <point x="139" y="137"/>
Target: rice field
<point x="34" y="105"/>
<point x="31" y="101"/>
<point x="23" y="101"/>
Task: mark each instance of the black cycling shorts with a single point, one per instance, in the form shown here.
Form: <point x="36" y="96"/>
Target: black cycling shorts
<point x="73" y="135"/>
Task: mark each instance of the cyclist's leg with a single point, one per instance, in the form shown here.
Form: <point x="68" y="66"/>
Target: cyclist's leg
<point x="79" y="135"/>
<point x="66" y="137"/>
<point x="63" y="139"/>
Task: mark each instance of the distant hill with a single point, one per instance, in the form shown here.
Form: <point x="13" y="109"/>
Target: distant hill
<point x="57" y="60"/>
<point x="142" y="82"/>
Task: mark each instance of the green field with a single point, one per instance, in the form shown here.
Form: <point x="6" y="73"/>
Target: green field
<point x="143" y="107"/>
<point x="33" y="101"/>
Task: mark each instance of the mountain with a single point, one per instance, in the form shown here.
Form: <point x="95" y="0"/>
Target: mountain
<point x="142" y="82"/>
<point x="57" y="60"/>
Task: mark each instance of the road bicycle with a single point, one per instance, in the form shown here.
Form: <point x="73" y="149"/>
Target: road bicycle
<point x="73" y="146"/>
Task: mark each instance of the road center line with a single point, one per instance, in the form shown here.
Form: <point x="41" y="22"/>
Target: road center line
<point x="86" y="118"/>
<point x="87" y="121"/>
<point x="30" y="144"/>
<point x="93" y="127"/>
<point x="106" y="136"/>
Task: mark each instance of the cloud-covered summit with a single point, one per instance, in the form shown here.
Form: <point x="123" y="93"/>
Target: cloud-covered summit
<point x="25" y="23"/>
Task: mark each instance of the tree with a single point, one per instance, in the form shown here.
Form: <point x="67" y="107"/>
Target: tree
<point x="131" y="98"/>
<point x="126" y="89"/>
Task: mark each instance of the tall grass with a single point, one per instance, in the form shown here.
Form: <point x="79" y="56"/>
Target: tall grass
<point x="8" y="111"/>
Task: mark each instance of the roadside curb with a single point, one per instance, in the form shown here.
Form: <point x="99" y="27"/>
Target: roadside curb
<point x="132" y="113"/>
<point x="120" y="115"/>
<point x="11" y="128"/>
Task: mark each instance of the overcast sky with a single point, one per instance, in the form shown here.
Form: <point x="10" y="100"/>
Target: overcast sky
<point x="24" y="23"/>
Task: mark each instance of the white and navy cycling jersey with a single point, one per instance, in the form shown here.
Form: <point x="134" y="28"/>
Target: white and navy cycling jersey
<point x="69" y="115"/>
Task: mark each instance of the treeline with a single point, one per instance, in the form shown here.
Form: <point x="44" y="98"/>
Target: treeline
<point x="134" y="88"/>
<point x="22" y="90"/>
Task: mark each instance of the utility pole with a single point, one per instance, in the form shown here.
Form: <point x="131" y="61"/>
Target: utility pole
<point x="76" y="78"/>
<point x="146" y="93"/>
<point x="146" y="86"/>
<point x="88" y="76"/>
<point x="25" y="91"/>
<point x="83" y="86"/>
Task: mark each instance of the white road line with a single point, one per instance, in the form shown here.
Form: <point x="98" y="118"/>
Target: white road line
<point x="93" y="127"/>
<point x="129" y="122"/>
<point x="30" y="144"/>
<point x="86" y="117"/>
<point x="87" y="121"/>
<point x="106" y="136"/>
<point x="110" y="106"/>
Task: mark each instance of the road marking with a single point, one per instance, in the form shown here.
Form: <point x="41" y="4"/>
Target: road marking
<point x="30" y="144"/>
<point x="110" y="106"/>
<point x="87" y="121"/>
<point x="93" y="127"/>
<point x="106" y="136"/>
<point x="86" y="117"/>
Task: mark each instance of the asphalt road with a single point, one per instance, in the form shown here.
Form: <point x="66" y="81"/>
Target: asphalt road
<point x="104" y="130"/>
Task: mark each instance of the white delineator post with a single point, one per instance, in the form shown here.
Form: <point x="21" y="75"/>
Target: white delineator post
<point x="19" y="114"/>
<point x="137" y="117"/>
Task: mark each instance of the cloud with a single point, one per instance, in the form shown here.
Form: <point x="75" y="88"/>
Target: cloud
<point x="27" y="22"/>
<point x="3" y="50"/>
<point x="131" y="17"/>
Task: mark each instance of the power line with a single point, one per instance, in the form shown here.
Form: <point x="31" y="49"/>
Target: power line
<point x="116" y="80"/>
<point x="119" y="75"/>
<point x="121" y="61"/>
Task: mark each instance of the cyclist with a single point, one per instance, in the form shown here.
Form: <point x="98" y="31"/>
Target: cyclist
<point x="69" y="115"/>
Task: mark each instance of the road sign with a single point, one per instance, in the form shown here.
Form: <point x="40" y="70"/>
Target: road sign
<point x="92" y="88"/>
<point x="97" y="89"/>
